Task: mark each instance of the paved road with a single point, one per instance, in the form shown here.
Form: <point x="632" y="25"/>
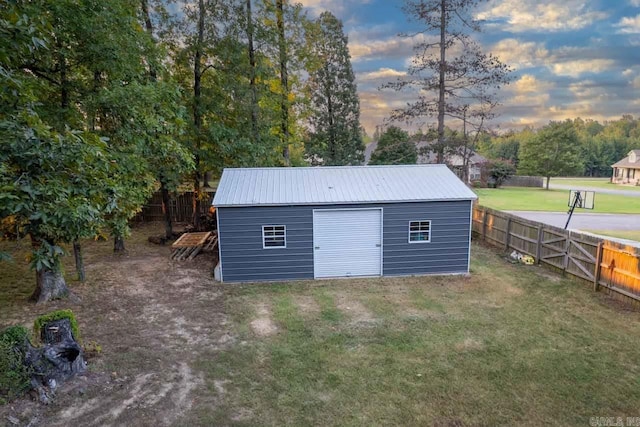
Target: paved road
<point x="621" y="192"/>
<point x="584" y="221"/>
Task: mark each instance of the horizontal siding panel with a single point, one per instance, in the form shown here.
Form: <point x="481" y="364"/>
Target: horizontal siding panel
<point x="449" y="269"/>
<point x="256" y="246"/>
<point x="263" y="277"/>
<point x="242" y="257"/>
<point x="399" y="259"/>
<point x="274" y="267"/>
<point x="444" y="214"/>
<point x="433" y="245"/>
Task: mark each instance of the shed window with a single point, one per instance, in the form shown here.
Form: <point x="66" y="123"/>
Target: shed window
<point x="274" y="236"/>
<point x="419" y="231"/>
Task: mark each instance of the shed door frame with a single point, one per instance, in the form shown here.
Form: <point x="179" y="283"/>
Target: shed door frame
<point x="315" y="276"/>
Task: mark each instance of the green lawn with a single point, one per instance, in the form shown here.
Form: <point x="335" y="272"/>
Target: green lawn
<point x="579" y="183"/>
<point x="510" y="345"/>
<point x="538" y="199"/>
<point x="622" y="234"/>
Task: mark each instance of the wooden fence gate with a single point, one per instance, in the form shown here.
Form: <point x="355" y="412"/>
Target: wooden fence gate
<point x="602" y="262"/>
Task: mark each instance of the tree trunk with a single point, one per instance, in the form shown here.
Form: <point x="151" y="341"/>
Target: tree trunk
<point x="118" y="245"/>
<point x="166" y="209"/>
<point x="77" y="254"/>
<point x="284" y="81"/>
<point x="197" y="114"/>
<point x="252" y="76"/>
<point x="548" y="178"/>
<point x="153" y="75"/>
<point x="442" y="69"/>
<point x="333" y="144"/>
<point x="466" y="152"/>
<point x="50" y="285"/>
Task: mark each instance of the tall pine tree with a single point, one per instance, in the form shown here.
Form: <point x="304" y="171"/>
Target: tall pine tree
<point x="453" y="77"/>
<point x="334" y="137"/>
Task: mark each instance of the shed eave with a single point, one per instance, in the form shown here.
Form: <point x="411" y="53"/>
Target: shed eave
<point x="358" y="202"/>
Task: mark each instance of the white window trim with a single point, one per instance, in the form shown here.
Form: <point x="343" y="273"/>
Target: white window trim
<point x="285" y="237"/>
<point x="419" y="241"/>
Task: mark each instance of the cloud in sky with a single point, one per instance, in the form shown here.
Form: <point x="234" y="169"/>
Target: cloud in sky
<point x="570" y="58"/>
<point x="581" y="66"/>
<point x="392" y="47"/>
<point x="381" y="74"/>
<point x="629" y="25"/>
<point x="541" y="16"/>
<point x="336" y="7"/>
<point x="520" y="54"/>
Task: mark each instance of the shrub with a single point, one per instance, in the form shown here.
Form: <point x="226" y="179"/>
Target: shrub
<point x="56" y="315"/>
<point x="14" y="375"/>
<point x="498" y="171"/>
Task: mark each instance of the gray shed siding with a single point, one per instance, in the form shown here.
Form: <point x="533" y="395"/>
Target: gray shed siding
<point x="244" y="260"/>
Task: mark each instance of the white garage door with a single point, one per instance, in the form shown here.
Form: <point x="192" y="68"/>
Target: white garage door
<point x="347" y="242"/>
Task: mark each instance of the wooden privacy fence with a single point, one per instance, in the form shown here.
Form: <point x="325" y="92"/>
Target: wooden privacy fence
<point x="180" y="206"/>
<point x="523" y="181"/>
<point x="604" y="263"/>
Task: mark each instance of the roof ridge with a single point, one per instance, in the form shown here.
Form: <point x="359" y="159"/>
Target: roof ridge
<point x="297" y="168"/>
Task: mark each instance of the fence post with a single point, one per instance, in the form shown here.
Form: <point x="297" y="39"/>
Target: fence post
<point x="484" y="224"/>
<point x="539" y="245"/>
<point x="567" y="248"/>
<point x="596" y="272"/>
<point x="508" y="237"/>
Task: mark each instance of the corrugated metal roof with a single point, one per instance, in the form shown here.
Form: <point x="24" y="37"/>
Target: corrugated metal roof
<point x="338" y="185"/>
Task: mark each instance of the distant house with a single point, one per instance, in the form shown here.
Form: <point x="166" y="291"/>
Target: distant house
<point x="627" y="170"/>
<point x="454" y="161"/>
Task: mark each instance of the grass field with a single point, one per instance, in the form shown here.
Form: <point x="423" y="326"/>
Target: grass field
<point x="622" y="234"/>
<point x="579" y="183"/>
<point x="508" y="345"/>
<point x="538" y="199"/>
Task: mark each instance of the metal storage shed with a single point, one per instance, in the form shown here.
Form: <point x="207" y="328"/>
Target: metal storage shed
<point x="319" y="222"/>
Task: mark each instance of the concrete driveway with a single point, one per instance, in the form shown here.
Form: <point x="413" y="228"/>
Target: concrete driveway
<point x="584" y="221"/>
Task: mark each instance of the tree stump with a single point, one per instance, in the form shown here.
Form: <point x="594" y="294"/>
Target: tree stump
<point x="59" y="359"/>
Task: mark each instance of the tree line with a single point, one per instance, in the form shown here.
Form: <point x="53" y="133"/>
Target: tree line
<point x="102" y="103"/>
<point x="575" y="147"/>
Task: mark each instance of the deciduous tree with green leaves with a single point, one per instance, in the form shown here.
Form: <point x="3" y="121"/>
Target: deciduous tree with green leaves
<point x="77" y="65"/>
<point x="52" y="179"/>
<point x="554" y="151"/>
<point x="48" y="187"/>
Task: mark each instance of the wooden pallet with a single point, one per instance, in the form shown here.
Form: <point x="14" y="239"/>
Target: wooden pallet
<point x="189" y="245"/>
<point x="212" y="242"/>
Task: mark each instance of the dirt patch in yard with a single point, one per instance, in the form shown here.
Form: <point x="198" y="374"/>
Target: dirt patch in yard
<point x="263" y="325"/>
<point x="307" y="306"/>
<point x="154" y="319"/>
<point x="469" y="344"/>
<point x="354" y="309"/>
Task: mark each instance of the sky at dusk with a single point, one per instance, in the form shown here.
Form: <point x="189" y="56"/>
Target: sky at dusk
<point x="571" y="58"/>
